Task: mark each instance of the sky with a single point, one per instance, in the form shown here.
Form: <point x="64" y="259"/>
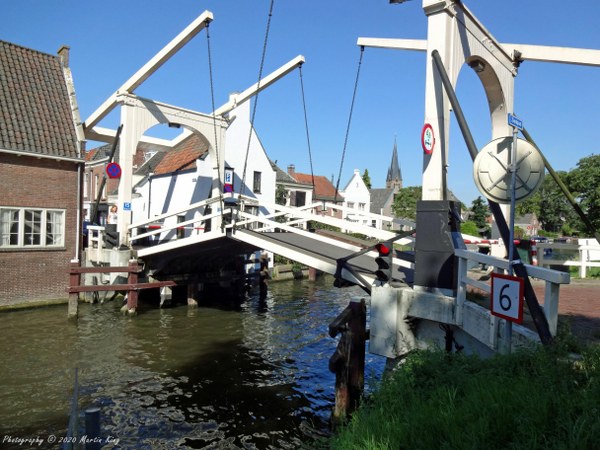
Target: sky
<point x="111" y="39"/>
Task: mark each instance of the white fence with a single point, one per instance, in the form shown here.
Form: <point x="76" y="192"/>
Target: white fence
<point x="552" y="278"/>
<point x="584" y="254"/>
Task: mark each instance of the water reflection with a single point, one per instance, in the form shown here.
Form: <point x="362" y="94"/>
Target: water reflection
<point x="252" y="377"/>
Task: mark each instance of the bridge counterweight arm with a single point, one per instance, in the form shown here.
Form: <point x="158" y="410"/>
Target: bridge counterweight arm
<point x="262" y="84"/>
<point x="151" y="66"/>
<point x="541" y="53"/>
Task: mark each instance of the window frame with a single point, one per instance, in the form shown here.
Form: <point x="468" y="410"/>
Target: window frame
<point x="257" y="182"/>
<point x="45" y="226"/>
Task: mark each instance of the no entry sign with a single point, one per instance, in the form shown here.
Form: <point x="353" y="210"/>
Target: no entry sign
<point x="113" y="170"/>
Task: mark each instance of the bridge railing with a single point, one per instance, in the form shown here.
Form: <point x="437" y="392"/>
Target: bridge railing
<point x="302" y="215"/>
<point x="169" y="221"/>
<point x="552" y="278"/>
<point x="584" y="254"/>
<point x="360" y="215"/>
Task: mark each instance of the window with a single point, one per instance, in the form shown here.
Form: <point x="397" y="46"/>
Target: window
<point x="29" y="227"/>
<point x="254" y="211"/>
<point x="351" y="205"/>
<point x="257" y="177"/>
<point x="300" y="198"/>
<point x="361" y="206"/>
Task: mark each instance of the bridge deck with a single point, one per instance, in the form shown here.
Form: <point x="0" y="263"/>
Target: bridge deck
<point x="320" y="254"/>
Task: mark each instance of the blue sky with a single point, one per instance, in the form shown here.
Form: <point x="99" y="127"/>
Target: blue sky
<point x="111" y="39"/>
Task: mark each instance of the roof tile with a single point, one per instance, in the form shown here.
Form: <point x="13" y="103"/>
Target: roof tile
<point x="34" y="99"/>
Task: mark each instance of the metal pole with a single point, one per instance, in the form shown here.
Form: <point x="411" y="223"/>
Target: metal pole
<point x="92" y="429"/>
<point x="537" y="313"/>
<point x="511" y="230"/>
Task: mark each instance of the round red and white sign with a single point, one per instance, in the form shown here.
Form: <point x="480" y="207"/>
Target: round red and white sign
<point x="427" y="139"/>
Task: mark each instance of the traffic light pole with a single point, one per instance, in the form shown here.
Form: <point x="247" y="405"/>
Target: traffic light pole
<point x="539" y="319"/>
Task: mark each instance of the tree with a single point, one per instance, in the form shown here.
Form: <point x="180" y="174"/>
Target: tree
<point x="405" y="202"/>
<point x="529" y="205"/>
<point x="480" y="211"/>
<point x="469" y="227"/>
<point x="555" y="209"/>
<point x="583" y="182"/>
<point x="281" y="195"/>
<point x="366" y="178"/>
<point x="549" y="205"/>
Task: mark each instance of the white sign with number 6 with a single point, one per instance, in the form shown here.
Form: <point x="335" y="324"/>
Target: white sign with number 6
<point x="507" y="297"/>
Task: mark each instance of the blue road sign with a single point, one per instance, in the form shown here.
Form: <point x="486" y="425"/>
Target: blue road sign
<point x="515" y="122"/>
<point x="127" y="206"/>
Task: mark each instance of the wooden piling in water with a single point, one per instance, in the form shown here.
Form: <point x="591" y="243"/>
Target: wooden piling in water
<point x="348" y="361"/>
<point x="192" y="294"/>
<point x="264" y="274"/>
<point x="74" y="280"/>
<point x="132" y="294"/>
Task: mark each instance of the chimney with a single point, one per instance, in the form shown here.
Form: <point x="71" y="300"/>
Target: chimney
<point x="291" y="170"/>
<point x="63" y="54"/>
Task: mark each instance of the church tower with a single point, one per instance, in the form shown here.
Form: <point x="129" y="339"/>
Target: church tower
<point x="394" y="175"/>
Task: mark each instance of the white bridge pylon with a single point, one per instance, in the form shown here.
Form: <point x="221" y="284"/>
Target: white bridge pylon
<point x="460" y="38"/>
<point x="140" y="114"/>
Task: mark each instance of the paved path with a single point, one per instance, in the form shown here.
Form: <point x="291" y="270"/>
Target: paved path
<point x="578" y="306"/>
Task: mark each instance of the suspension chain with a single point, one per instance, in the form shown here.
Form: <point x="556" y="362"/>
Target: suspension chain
<point x="212" y="99"/>
<point x="262" y="63"/>
<point x="312" y="174"/>
<point x="362" y="51"/>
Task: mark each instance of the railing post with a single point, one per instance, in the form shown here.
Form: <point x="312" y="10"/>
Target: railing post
<point x="551" y="305"/>
<point x="461" y="292"/>
<point x="100" y="241"/>
<point x="583" y="257"/>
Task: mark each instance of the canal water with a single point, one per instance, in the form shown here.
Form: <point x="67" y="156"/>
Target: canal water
<point x="252" y="376"/>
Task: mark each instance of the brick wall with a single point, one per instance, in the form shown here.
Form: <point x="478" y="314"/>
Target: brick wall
<point x="36" y="275"/>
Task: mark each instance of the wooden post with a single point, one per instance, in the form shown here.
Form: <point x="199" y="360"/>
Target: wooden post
<point x="132" y="294"/>
<point x="312" y="274"/>
<point x="348" y="361"/>
<point x="338" y="364"/>
<point x="356" y="363"/>
<point x="74" y="281"/>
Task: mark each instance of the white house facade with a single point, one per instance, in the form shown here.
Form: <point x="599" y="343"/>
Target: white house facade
<point x="186" y="178"/>
<point x="357" y="200"/>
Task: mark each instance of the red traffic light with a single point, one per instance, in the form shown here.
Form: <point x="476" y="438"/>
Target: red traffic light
<point x="383" y="249"/>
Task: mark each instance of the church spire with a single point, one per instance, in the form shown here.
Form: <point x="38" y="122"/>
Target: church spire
<point x="394" y="175"/>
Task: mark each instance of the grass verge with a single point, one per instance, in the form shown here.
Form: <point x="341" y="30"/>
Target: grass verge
<point x="528" y="400"/>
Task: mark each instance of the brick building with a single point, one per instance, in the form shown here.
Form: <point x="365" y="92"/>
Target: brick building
<point x="40" y="173"/>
